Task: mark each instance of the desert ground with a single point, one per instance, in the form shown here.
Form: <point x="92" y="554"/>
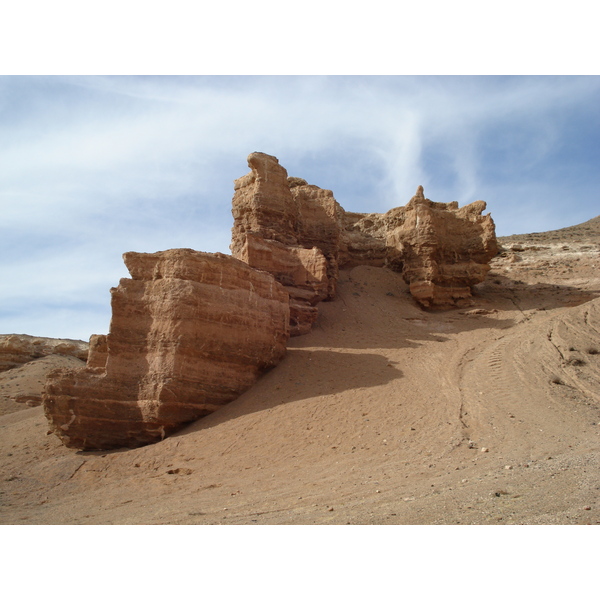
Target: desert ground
<point x="383" y="414"/>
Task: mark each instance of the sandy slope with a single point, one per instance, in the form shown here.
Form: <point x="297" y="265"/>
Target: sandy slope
<point x="21" y="387"/>
<point x="380" y="415"/>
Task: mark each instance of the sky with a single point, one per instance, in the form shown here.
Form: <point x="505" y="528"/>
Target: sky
<point x="94" y="166"/>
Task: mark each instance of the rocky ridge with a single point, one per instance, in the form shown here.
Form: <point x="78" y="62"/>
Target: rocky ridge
<point x="191" y="331"/>
<point x="18" y="349"/>
<point x="300" y="234"/>
<point x="385" y="414"/>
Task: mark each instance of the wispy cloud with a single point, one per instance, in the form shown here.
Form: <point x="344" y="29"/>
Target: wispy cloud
<point x="92" y="167"/>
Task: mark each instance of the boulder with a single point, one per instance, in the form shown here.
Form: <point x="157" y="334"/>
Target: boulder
<point x="190" y="331"/>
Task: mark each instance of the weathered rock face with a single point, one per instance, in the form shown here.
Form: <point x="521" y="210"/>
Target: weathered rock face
<point x="440" y="249"/>
<point x="300" y="234"/>
<point x="22" y="386"/>
<point x="290" y="229"/>
<point x="98" y="354"/>
<point x="190" y="331"/>
<point x="17" y="349"/>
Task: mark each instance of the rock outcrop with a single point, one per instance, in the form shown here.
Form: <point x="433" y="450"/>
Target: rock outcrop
<point x="290" y="229"/>
<point x="300" y="234"/>
<point x="17" y="349"/>
<point x="190" y="331"/>
<point x="22" y="387"/>
<point x="440" y="249"/>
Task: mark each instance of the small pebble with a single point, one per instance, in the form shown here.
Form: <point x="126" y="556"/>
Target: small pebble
<point x="587" y="508"/>
<point x="508" y="467"/>
<point x="484" y="450"/>
<point x="330" y="509"/>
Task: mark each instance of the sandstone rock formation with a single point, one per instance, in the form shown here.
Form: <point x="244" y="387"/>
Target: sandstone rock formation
<point x="190" y="331"/>
<point x="290" y="229"/>
<point x="440" y="249"/>
<point x="22" y="386"/>
<point x="300" y="234"/>
<point x="98" y="353"/>
<point x="16" y="349"/>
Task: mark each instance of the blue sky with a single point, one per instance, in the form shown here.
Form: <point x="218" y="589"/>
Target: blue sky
<point x="95" y="166"/>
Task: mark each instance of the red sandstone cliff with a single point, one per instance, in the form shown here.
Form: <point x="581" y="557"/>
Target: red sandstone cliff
<point x="440" y="249"/>
<point x="300" y="234"/>
<point x="190" y="331"/>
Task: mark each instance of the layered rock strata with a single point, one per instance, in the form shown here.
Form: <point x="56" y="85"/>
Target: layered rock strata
<point x="190" y="331"/>
<point x="300" y="234"/>
<point x="17" y="349"/>
<point x="290" y="229"/>
<point x="98" y="354"/>
<point x="440" y="249"/>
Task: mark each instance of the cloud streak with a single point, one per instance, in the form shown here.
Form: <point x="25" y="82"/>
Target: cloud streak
<point x="96" y="166"/>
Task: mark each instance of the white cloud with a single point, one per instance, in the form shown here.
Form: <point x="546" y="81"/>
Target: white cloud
<point x="93" y="167"/>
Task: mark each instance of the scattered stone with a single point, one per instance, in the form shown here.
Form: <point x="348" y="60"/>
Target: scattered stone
<point x="177" y="471"/>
